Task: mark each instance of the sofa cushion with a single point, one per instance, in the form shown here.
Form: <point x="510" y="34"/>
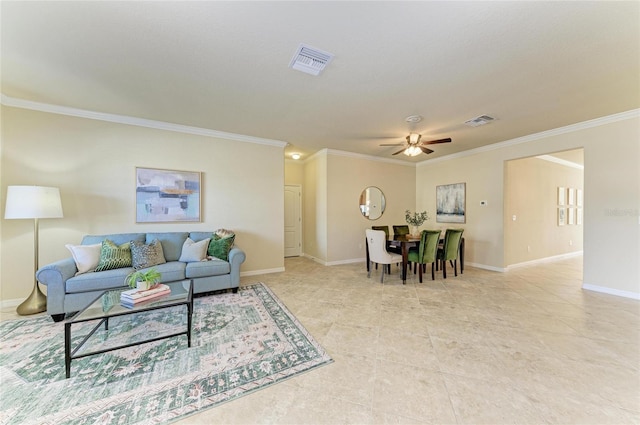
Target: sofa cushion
<point x="213" y="267"/>
<point x="146" y="255"/>
<point x="171" y="271"/>
<point x="171" y="243"/>
<point x="102" y="281"/>
<point x="220" y="247"/>
<point x="86" y="257"/>
<point x="114" y="256"/>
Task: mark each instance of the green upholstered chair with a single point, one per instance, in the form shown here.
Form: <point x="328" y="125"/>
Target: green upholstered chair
<point x="450" y="249"/>
<point x="402" y="229"/>
<point x="426" y="253"/>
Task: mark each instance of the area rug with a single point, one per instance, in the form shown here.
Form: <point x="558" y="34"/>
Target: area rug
<point x="241" y="343"/>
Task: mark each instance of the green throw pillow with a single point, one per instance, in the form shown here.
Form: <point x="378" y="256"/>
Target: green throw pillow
<point x="220" y="247"/>
<point x="113" y="256"/>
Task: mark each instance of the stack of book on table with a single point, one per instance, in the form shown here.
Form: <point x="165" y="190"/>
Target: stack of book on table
<point x="133" y="297"/>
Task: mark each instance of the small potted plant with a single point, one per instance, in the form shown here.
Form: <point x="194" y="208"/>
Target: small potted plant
<point x="415" y="220"/>
<point x="143" y="280"/>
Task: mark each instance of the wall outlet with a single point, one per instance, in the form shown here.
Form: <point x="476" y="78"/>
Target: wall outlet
<point x="513" y="217"/>
<point x="570" y="242"/>
<point x="483" y="203"/>
<point x="528" y="248"/>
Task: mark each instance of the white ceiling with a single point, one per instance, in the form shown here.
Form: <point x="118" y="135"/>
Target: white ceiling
<point x="534" y="66"/>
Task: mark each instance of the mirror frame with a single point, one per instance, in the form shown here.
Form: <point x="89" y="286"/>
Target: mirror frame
<point x="372" y="203"/>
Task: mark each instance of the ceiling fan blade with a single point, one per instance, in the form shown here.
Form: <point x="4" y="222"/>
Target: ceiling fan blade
<point x="425" y="150"/>
<point x="392" y="144"/>
<point x="433" y="142"/>
<point x="396" y="153"/>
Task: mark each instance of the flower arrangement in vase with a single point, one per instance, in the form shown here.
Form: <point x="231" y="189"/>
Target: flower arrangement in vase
<point x="143" y="280"/>
<point x="415" y="220"/>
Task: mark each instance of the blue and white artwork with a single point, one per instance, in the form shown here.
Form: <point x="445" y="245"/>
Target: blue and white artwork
<point x="450" y="203"/>
<point x="167" y="195"/>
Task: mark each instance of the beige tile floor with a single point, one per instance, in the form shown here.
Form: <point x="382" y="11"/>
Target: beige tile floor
<point x="524" y="347"/>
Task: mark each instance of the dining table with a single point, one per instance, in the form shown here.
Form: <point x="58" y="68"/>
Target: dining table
<point x="405" y="242"/>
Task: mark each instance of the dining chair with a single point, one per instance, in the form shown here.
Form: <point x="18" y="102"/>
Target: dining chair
<point x="426" y="253"/>
<point x="402" y="229"/>
<point x="449" y="250"/>
<point x="377" y="244"/>
<point x="385" y="229"/>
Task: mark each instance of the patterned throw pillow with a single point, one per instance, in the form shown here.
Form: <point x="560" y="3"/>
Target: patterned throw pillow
<point x="219" y="247"/>
<point x="113" y="256"/>
<point x="194" y="251"/>
<point x="143" y="255"/>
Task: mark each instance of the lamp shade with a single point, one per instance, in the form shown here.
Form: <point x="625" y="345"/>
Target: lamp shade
<point x="33" y="202"/>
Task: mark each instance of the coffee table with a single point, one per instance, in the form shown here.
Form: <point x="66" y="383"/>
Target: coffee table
<point x="107" y="305"/>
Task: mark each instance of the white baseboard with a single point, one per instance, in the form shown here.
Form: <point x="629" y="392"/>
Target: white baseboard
<point x="10" y="303"/>
<point x="485" y="267"/>
<point x="264" y="271"/>
<point x="351" y="261"/>
<point x="545" y="260"/>
<point x="611" y="291"/>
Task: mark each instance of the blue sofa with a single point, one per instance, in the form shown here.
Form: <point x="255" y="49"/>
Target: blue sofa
<point x="67" y="293"/>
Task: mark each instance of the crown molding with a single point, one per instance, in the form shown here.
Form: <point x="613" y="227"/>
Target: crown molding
<point x="564" y="162"/>
<point x="634" y="113"/>
<point x="139" y="122"/>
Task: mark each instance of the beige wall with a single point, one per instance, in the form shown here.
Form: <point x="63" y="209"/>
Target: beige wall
<point x="348" y="175"/>
<point x="293" y="172"/>
<point x="333" y="225"/>
<point x="531" y="188"/>
<point x="93" y="163"/>
<point x="611" y="197"/>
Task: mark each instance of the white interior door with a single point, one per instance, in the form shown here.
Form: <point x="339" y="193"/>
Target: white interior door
<point x="292" y="221"/>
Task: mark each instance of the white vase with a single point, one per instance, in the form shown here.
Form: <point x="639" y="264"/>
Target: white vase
<point x="415" y="232"/>
<point x="143" y="286"/>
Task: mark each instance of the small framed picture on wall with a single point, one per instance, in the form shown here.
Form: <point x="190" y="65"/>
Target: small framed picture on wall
<point x="561" y="195"/>
<point x="562" y="217"/>
<point x="571" y="214"/>
<point x="571" y="196"/>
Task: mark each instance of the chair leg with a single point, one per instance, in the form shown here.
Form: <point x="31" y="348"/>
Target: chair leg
<point x="420" y="272"/>
<point x="433" y="271"/>
<point x="369" y="268"/>
<point x="455" y="267"/>
<point x="444" y="269"/>
<point x="382" y="274"/>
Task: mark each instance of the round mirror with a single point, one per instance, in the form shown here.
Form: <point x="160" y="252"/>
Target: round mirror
<point x="372" y="203"/>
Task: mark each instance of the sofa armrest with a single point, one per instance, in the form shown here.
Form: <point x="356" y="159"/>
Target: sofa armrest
<point x="236" y="258"/>
<point x="54" y="276"/>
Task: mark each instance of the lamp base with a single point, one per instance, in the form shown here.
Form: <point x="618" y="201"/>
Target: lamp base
<point x="35" y="303"/>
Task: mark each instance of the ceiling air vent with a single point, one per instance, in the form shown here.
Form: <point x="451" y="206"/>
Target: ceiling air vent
<point x="481" y="120"/>
<point x="310" y="60"/>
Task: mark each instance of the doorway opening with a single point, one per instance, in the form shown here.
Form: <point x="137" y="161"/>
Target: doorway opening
<point x="543" y="204"/>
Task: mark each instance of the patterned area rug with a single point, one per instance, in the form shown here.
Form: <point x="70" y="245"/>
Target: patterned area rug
<point x="240" y="343"/>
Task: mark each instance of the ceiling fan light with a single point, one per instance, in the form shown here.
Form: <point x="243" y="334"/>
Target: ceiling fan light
<point x="412" y="151"/>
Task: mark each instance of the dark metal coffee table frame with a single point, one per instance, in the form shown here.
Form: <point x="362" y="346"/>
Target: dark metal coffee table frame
<point x="70" y="354"/>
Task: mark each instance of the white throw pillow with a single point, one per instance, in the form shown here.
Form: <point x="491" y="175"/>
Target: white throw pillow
<point x="194" y="251"/>
<point x="86" y="257"/>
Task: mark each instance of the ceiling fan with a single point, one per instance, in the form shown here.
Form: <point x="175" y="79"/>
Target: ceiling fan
<point x="414" y="146"/>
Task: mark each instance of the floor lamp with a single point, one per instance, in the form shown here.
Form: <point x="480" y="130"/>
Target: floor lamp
<point x="33" y="202"/>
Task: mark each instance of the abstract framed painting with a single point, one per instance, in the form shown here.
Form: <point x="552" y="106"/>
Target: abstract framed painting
<point x="167" y="196"/>
<point x="450" y="203"/>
